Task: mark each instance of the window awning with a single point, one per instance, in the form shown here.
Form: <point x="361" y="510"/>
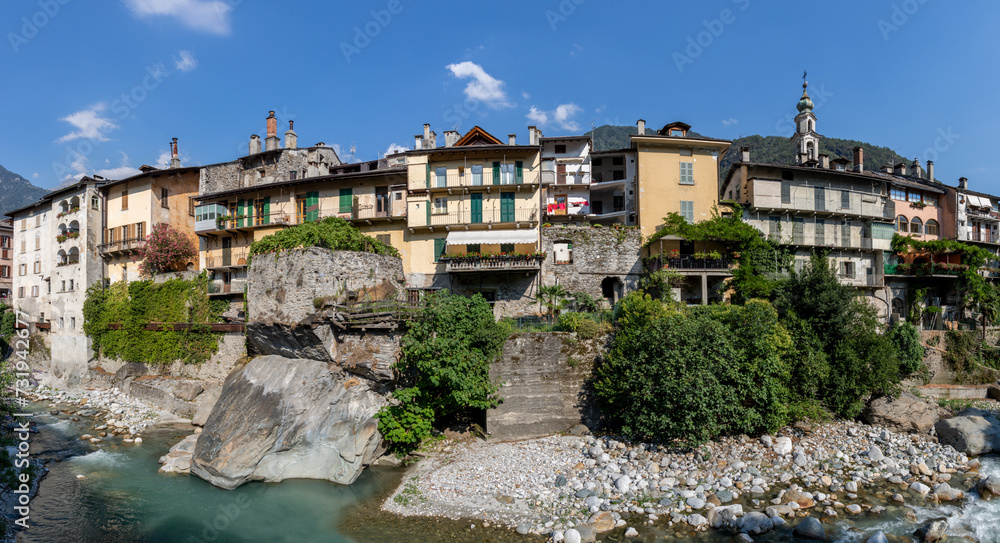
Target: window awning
<point x="976" y="201"/>
<point x="485" y="237"/>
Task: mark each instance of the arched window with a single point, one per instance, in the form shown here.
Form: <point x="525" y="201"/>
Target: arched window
<point x="810" y="126"/>
<point x="811" y="150"/>
<point x="917" y="226"/>
<point x="931" y="228"/>
<point x="902" y="223"/>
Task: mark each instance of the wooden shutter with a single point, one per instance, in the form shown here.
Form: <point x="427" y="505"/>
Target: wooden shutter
<point x="439" y="247"/>
<point x="312" y="206"/>
<point x="496" y="173"/>
<point x="346" y="198"/>
<point x="519" y="172"/>
<point x="428" y="178"/>
<point x="144" y="231"/>
<point x="240" y="210"/>
<point x="428" y="212"/>
<point x="267" y="210"/>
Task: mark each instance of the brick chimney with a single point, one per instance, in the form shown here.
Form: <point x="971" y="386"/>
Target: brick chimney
<point x="433" y="143"/>
<point x="963" y="183"/>
<point x="291" y="138"/>
<point x="254" y="144"/>
<point x="640" y="125"/>
<point x="859" y="159"/>
<point x="271" y="142"/>
<point x="175" y="162"/>
<point x="930" y="170"/>
<point x="511" y="139"/>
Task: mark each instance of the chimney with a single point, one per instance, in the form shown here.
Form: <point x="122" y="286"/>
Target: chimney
<point x="963" y="183"/>
<point x="915" y="169"/>
<point x="887" y="168"/>
<point x="930" y="170"/>
<point x="291" y="138"/>
<point x="824" y="161"/>
<point x="900" y="169"/>
<point x="532" y="135"/>
<point x="427" y="135"/>
<point x="175" y="162"/>
<point x="640" y="125"/>
<point x="451" y="137"/>
<point x="744" y="154"/>
<point x="434" y="140"/>
<point x="418" y="142"/>
<point x="511" y="139"/>
<point x="271" y="142"/>
<point x="859" y="159"/>
<point x="254" y="144"/>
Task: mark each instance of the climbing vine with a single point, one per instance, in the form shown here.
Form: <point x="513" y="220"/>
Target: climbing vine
<point x="331" y="233"/>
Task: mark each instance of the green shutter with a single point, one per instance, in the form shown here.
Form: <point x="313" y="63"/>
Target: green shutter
<point x="439" y="246"/>
<point x="241" y="209"/>
<point x="428" y="213"/>
<point x="312" y="206"/>
<point x="346" y="199"/>
<point x="506" y="207"/>
<point x="267" y="210"/>
<point x="428" y="178"/>
<point x="519" y="172"/>
<point x="477" y="207"/>
<point x="496" y="173"/>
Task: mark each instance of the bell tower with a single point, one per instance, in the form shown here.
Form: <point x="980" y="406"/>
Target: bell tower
<point x="805" y="139"/>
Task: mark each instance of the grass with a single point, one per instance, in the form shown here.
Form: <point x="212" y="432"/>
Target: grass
<point x="410" y="494"/>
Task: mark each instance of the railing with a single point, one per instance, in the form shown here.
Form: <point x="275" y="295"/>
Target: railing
<point x="382" y="210"/>
<point x="831" y="204"/>
<point x="975" y="212"/>
<point x="122" y="245"/>
<point x="485" y="217"/>
<point x="235" y="260"/>
<point x="238" y="286"/>
<point x="924" y="268"/>
<point x="689" y="263"/>
<point x="256" y="221"/>
<point x="493" y="263"/>
<point x="599" y="177"/>
<point x="454" y="180"/>
<point x="68" y="261"/>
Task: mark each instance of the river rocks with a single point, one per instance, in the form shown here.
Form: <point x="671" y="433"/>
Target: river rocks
<point x="944" y="492"/>
<point x="875" y="454"/>
<point x="623" y="483"/>
<point x="178" y="460"/>
<point x="755" y="523"/>
<point x="854" y="509"/>
<point x="280" y="418"/>
<point x="811" y="529"/>
<point x="205" y="406"/>
<point x="988" y="487"/>
<point x="187" y="389"/>
<point x="877" y="537"/>
<point x="920" y="488"/>
<point x="571" y="536"/>
<point x="932" y="531"/>
<point x="782" y="446"/>
<point x="970" y="432"/>
<point x="907" y="413"/>
<point x="697" y="521"/>
<point x="724" y="516"/>
<point x="802" y="499"/>
<point x="602" y="522"/>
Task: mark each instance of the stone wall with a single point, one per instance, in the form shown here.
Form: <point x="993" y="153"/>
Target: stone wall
<point x="597" y="254"/>
<point x="545" y="385"/>
<point x="282" y="288"/>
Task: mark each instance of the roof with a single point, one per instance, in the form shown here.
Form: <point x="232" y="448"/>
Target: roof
<point x="564" y="138"/>
<point x="85" y="180"/>
<point x="694" y="139"/>
<point x="974" y="193"/>
<point x="153" y="172"/>
<point x="477" y="136"/>
<point x="613" y="151"/>
<point x="866" y="175"/>
<point x="665" y="131"/>
<point x="397" y="170"/>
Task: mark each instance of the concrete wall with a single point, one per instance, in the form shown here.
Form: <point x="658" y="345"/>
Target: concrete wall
<point x="545" y="385"/>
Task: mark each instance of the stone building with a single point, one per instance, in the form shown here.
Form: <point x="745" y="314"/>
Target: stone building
<point x="6" y="261"/>
<point x="604" y="263"/>
<point x="56" y="258"/>
<point x="138" y="203"/>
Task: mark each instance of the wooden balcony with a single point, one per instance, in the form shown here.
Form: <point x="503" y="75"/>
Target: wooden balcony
<point x="122" y="246"/>
<point x="493" y="263"/>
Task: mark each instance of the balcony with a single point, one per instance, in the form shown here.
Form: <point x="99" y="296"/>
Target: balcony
<point x="925" y="268"/>
<point x="829" y="206"/>
<point x="453" y="181"/>
<point x="68" y="261"/>
<point x="226" y="260"/>
<point x="467" y="217"/>
<point x="382" y="210"/>
<point x="690" y="263"/>
<point x="481" y="263"/>
<point x="237" y="286"/>
<point x="122" y="246"/>
<point x="987" y="214"/>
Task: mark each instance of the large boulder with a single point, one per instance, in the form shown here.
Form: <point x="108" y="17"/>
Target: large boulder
<point x="988" y="487"/>
<point x="279" y="418"/>
<point x="368" y="354"/>
<point x="907" y="413"/>
<point x="972" y="432"/>
<point x="932" y="531"/>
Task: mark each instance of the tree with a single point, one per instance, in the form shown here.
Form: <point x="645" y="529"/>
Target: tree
<point x="911" y="353"/>
<point x="553" y="297"/>
<point x="445" y="367"/>
<point x="165" y="249"/>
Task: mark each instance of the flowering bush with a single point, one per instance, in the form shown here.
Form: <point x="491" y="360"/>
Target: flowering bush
<point x="165" y="248"/>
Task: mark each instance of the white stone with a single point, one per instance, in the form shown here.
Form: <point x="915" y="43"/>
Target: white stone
<point x="782" y="446"/>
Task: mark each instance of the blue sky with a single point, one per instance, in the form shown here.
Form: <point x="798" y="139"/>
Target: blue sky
<point x="102" y="87"/>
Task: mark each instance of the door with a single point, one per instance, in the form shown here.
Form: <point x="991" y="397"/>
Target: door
<point x="382" y="201"/>
<point x="227" y="252"/>
<point x="507" y="207"/>
<point x="560" y="174"/>
<point x="560" y="205"/>
<point x="477" y="208"/>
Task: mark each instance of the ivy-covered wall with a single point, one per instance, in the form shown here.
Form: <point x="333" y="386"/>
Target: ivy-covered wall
<point x="129" y="307"/>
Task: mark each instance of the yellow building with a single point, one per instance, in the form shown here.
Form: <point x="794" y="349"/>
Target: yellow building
<point x="678" y="173"/>
<point x="135" y="205"/>
<point x="227" y="222"/>
<point x="473" y="210"/>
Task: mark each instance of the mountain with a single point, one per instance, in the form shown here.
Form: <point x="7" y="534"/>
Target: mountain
<point x="16" y="192"/>
<point x="763" y="149"/>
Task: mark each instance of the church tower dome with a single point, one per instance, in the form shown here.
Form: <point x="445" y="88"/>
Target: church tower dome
<point x="805" y="139"/>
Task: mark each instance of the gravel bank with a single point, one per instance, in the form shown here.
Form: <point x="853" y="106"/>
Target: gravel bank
<point x="548" y="485"/>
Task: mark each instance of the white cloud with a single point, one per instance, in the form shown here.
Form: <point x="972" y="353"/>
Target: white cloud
<point x="80" y="166"/>
<point x="34" y="175"/>
<point x="121" y="172"/>
<point x="89" y="124"/>
<point x="525" y="95"/>
<point x="395" y="148"/>
<point x="483" y="87"/>
<point x="185" y="61"/>
<point x="209" y="16"/>
<point x="560" y="116"/>
<point x="730" y="121"/>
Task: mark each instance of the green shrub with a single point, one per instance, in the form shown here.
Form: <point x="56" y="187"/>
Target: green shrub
<point x="331" y="233"/>
<point x="583" y="325"/>
<point x="906" y="337"/>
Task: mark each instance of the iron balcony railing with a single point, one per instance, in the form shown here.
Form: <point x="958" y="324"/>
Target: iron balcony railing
<point x="493" y="263"/>
<point x="122" y="245"/>
<point x="492" y="216"/>
<point x="690" y="263"/>
<point x="237" y="286"/>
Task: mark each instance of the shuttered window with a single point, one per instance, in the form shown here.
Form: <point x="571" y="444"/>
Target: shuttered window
<point x="346" y="200"/>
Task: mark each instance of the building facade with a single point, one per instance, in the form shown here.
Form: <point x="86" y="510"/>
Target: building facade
<point x="6" y="262"/>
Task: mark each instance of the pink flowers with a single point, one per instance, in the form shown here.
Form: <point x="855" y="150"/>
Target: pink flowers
<point x="165" y="249"/>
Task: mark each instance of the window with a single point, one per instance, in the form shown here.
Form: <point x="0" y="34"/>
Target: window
<point x="440" y="244"/>
<point x="931" y="228"/>
<point x="34" y="291"/>
<point x="898" y="194"/>
<point x="786" y="193"/>
<point x="140" y="230"/>
<point x="930" y="199"/>
<point x="845" y="234"/>
<point x="38" y="242"/>
<point x="22" y="269"/>
<point x="61" y="322"/>
<point x="20" y="292"/>
<point x="300" y="209"/>
<point x="63" y="289"/>
<point x="440" y="206"/>
<point x="477" y="175"/>
<point x="164" y="198"/>
<point x="4" y="271"/>
<point x="819" y="194"/>
<point x="916" y="226"/>
<point x="913" y="196"/>
<point x="471" y="248"/>
<point x="774" y="226"/>
<point x="71" y="284"/>
<point x="598" y="162"/>
<point x="687" y="210"/>
<point x="902" y="224"/>
<point x="38" y="220"/>
<point x="619" y="160"/>
<point x="95" y="202"/>
<point x="441" y="177"/>
<point x="847" y="270"/>
<point x="292" y="175"/>
<point x="24" y="245"/>
<point x="564" y="252"/>
<point x="798" y="231"/>
<point x="38" y="266"/>
<point x="72" y="323"/>
<point x="687" y="173"/>
<point x="506" y="174"/>
<point x="346" y="197"/>
<point x="845" y="199"/>
<point x="820" y="232"/>
<point x="506" y="247"/>
<point x="685" y="152"/>
<point x="260" y="211"/>
<point x="124" y="199"/>
<point x="787" y="176"/>
<point x="560" y="149"/>
<point x="384" y="238"/>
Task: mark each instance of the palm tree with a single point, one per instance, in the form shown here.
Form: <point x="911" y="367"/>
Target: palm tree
<point x="553" y="297"/>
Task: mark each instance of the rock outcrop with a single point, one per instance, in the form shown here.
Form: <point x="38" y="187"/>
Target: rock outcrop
<point x="907" y="413"/>
<point x="279" y="418"/>
<point x="973" y="431"/>
<point x="368" y="354"/>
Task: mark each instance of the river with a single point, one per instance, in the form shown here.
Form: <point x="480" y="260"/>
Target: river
<point x="112" y="493"/>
